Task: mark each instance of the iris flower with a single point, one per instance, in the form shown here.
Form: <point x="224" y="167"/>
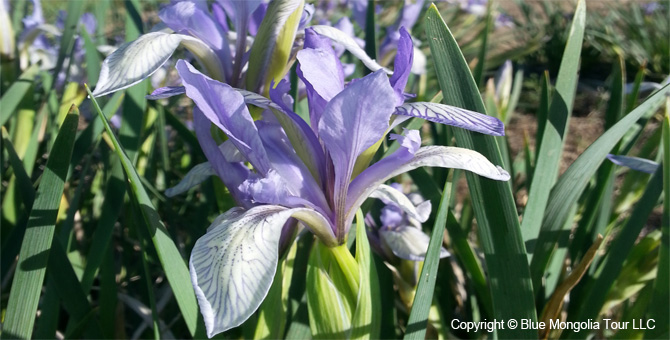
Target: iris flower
<point x="317" y="174"/>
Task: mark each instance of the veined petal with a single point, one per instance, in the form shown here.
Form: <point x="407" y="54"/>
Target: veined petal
<point x="350" y="44"/>
<point x="432" y="156"/>
<point x="135" y="61"/>
<point x="225" y="107"/>
<point x="402" y="65"/>
<point x="408" y="243"/>
<point x="188" y="16"/>
<point x="353" y="121"/>
<point x="390" y="195"/>
<point x="454" y="116"/>
<point x="195" y="176"/>
<point x="232" y="266"/>
<point x="635" y="163"/>
<point x="166" y="92"/>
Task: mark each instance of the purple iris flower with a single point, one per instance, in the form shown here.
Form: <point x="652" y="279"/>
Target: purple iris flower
<point x="400" y="237"/>
<point x="312" y="174"/>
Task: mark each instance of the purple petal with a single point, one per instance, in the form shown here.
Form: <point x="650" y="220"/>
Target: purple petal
<point x="454" y="116"/>
<point x="225" y="107"/>
<point x="402" y="65"/>
<point x="232" y="174"/>
<point x="321" y="71"/>
<point x="408" y="243"/>
<point x="190" y="17"/>
<point x="307" y="13"/>
<point x="410" y="13"/>
<point x="353" y="121"/>
<point x="89" y="22"/>
<point x="220" y="16"/>
<point x="166" y="92"/>
<point x="287" y="164"/>
<point x="256" y="18"/>
<point x="359" y="9"/>
<point x="36" y="18"/>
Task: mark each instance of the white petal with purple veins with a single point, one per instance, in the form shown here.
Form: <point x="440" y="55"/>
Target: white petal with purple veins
<point x="454" y="116"/>
<point x="232" y="266"/>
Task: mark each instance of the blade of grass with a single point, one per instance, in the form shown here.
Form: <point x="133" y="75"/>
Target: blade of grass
<point x="571" y="184"/>
<point x="418" y="317"/>
<point x="553" y="137"/>
<point x="494" y="207"/>
<point x="599" y="285"/>
<point x="34" y="253"/>
<point x="168" y="253"/>
<point x="12" y="98"/>
<point x="658" y="308"/>
<point x="478" y="72"/>
<point x="74" y="11"/>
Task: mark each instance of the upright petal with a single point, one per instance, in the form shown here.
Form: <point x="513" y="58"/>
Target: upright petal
<point x="232" y="266"/>
<point x="402" y="65"/>
<point x="350" y="44"/>
<point x="352" y="122"/>
<point x="390" y="195"/>
<point x="225" y="107"/>
<point x="321" y="71"/>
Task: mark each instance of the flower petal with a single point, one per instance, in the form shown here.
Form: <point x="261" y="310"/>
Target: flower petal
<point x="232" y="174"/>
<point x="390" y="195"/>
<point x="402" y="65"/>
<point x="408" y="243"/>
<point x="635" y="163"/>
<point x="166" y="92"/>
<point x="352" y="122"/>
<point x="433" y="156"/>
<point x="225" y="107"/>
<point x="350" y="44"/>
<point x="135" y="61"/>
<point x="321" y="71"/>
<point x="232" y="266"/>
<point x="454" y="116"/>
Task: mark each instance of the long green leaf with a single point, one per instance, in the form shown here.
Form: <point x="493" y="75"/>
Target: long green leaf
<point x="494" y="207"/>
<point x="418" y="317"/>
<point x="168" y="254"/>
<point x="11" y="99"/>
<point x="574" y="180"/>
<point x="74" y="11"/>
<point x="658" y="309"/>
<point x="553" y="138"/>
<point x="33" y="258"/>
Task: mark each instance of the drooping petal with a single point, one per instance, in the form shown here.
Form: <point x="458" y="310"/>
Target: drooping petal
<point x="454" y="116"/>
<point x="635" y="163"/>
<point x="232" y="266"/>
<point x="225" y="107"/>
<point x="350" y="44"/>
<point x="402" y="65"/>
<point x="403" y="160"/>
<point x="390" y="195"/>
<point x="353" y="121"/>
<point x="137" y="60"/>
<point x="195" y="176"/>
<point x="408" y="243"/>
